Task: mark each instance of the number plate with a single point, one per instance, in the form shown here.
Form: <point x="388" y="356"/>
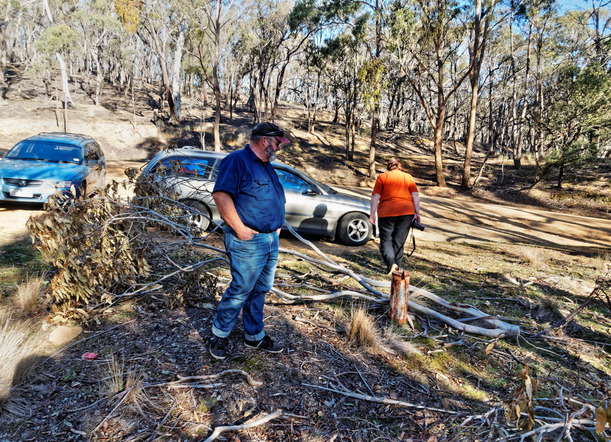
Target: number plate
<point x="22" y="193"/>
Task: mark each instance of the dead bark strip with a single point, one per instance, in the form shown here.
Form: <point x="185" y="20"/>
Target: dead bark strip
<point x="219" y="430"/>
<point x="381" y="400"/>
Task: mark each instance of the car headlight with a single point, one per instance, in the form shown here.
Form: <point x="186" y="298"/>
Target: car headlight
<point x="61" y="184"/>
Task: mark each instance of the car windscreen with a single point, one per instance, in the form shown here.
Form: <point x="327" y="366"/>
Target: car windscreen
<point x="190" y="167"/>
<point x="46" y="151"/>
<point x="293" y="183"/>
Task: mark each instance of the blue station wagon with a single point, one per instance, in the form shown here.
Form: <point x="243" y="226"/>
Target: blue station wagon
<point x="47" y="163"/>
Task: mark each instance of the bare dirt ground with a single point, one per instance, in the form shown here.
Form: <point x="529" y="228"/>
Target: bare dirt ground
<point x="447" y="220"/>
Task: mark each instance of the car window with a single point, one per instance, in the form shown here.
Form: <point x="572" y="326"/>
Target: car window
<point x="98" y="150"/>
<point x="291" y="182"/>
<point x="46" y="151"/>
<point x="198" y="168"/>
<point x="91" y="153"/>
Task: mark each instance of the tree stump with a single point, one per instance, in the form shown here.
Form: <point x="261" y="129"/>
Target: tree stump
<point x="399" y="290"/>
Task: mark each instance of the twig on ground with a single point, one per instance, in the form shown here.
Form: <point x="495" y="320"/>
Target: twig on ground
<point x="219" y="430"/>
<point x="209" y="377"/>
<point x="381" y="400"/>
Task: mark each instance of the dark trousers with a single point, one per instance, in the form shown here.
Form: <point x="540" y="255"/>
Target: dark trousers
<point x="393" y="233"/>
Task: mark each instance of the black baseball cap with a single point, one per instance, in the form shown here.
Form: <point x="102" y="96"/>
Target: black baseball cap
<point x="266" y="129"/>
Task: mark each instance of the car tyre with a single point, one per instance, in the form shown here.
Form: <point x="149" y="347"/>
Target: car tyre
<point x="198" y="220"/>
<point x="354" y="229"/>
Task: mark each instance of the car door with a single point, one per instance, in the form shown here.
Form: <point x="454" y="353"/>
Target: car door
<point x="306" y="206"/>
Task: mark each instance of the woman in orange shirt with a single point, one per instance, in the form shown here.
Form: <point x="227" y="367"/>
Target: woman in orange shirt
<point x="396" y="200"/>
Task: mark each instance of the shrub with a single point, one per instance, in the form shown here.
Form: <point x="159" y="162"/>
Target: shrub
<point x="95" y="244"/>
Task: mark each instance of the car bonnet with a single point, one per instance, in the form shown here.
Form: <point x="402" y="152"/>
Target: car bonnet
<point x="33" y="170"/>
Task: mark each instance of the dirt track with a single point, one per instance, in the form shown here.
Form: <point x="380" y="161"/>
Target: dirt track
<point x="446" y="220"/>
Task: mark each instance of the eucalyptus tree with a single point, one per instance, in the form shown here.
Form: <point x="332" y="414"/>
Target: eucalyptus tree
<point x="600" y="31"/>
<point x="58" y="39"/>
<point x="482" y="16"/>
<point x="162" y="26"/>
<point x="211" y="32"/>
<point x="578" y="119"/>
<point x="264" y="31"/>
<point x="346" y="58"/>
<point x="9" y="10"/>
<point x="436" y="37"/>
<point x="103" y="41"/>
<point x="313" y="66"/>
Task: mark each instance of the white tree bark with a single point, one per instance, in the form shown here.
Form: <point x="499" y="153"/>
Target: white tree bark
<point x="176" y="74"/>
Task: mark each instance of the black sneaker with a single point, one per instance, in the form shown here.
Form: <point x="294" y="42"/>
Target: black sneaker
<point x="266" y="344"/>
<point x="218" y="347"/>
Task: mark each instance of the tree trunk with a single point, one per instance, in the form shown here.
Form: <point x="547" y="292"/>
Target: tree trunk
<point x="62" y="65"/>
<point x="478" y="52"/>
<point x="399" y="292"/>
<point x="375" y="116"/>
<point x="349" y="155"/>
<point x="438" y="143"/>
<point x="517" y="155"/>
<point x="520" y="140"/>
<point x="176" y="74"/>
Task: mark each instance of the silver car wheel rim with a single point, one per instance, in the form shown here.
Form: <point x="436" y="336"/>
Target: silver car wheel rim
<point x="198" y="222"/>
<point x="357" y="230"/>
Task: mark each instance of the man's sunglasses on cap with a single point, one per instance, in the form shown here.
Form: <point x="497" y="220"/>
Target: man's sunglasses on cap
<point x="270" y="130"/>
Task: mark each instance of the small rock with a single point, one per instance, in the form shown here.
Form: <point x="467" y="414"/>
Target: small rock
<point x="64" y="334"/>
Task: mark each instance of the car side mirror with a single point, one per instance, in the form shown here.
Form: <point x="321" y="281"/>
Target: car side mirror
<point x="310" y="191"/>
<point x="91" y="162"/>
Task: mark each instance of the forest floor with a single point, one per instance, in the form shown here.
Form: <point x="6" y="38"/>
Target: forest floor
<point x="537" y="257"/>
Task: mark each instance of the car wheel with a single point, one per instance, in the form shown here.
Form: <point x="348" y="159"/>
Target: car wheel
<point x="354" y="229"/>
<point x="198" y="219"/>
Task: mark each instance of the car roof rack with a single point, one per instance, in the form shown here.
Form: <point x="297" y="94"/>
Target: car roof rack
<point x="65" y="134"/>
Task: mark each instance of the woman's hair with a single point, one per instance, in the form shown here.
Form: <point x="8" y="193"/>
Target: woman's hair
<point x="394" y="163"/>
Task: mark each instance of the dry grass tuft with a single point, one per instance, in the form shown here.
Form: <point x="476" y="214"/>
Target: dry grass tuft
<point x="127" y="380"/>
<point x="114" y="383"/>
<point x="19" y="355"/>
<point x="603" y="264"/>
<point x="535" y="256"/>
<point x="362" y="330"/>
<point x="28" y="295"/>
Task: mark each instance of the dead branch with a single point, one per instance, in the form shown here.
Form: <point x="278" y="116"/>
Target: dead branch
<point x="492" y="333"/>
<point x="500" y="328"/>
<point x="210" y="377"/>
<point x="381" y="400"/>
<point x="508" y="329"/>
<point x="326" y="297"/>
<point x="219" y="430"/>
<point x="249" y="378"/>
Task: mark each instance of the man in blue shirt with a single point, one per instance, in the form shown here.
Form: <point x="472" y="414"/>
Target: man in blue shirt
<point x="251" y="201"/>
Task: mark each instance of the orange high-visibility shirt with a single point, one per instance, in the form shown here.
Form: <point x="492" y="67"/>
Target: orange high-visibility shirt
<point x="395" y="189"/>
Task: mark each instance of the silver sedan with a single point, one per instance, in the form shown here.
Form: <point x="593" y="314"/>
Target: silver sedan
<point x="311" y="207"/>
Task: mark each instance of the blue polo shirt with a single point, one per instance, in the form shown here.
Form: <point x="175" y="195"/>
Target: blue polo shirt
<point x="255" y="189"/>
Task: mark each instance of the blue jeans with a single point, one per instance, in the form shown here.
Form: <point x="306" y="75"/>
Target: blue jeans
<point x="253" y="264"/>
